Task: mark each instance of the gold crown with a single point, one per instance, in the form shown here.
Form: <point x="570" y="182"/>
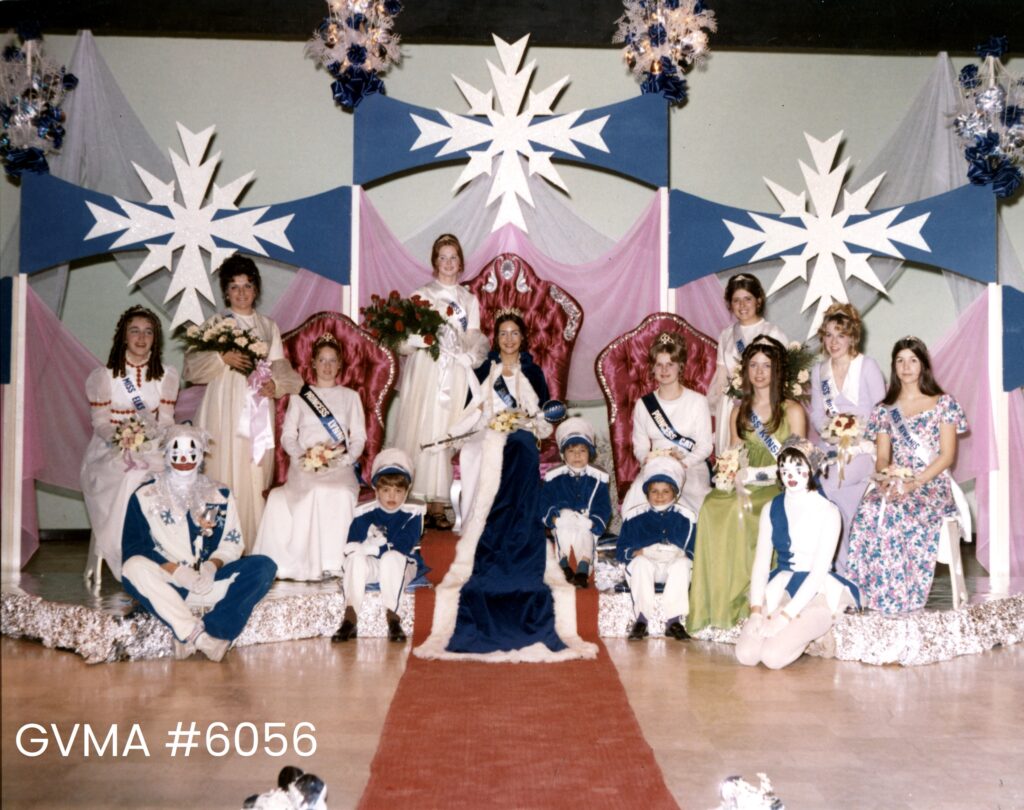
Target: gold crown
<point x="665" y="339"/>
<point x="326" y="339"/>
<point x="508" y="311"/>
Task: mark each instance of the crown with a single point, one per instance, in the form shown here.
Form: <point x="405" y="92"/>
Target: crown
<point x="744" y="277"/>
<point x="508" y="311"/>
<point x="326" y="339"/>
<point x="665" y="339"/>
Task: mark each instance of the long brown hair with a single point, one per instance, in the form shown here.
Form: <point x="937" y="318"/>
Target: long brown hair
<point x="119" y="345"/>
<point x="929" y="387"/>
<point x="776" y="353"/>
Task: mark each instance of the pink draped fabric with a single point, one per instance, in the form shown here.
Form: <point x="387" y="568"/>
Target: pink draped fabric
<point x="961" y="367"/>
<point x="307" y="294"/>
<point x="615" y="291"/>
<point x="57" y="420"/>
<point x="701" y="304"/>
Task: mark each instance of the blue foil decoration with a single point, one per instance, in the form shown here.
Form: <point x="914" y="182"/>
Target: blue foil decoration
<point x="1012" y="115"/>
<point x="353" y="84"/>
<point x="1006" y="179"/>
<point x="657" y="34"/>
<point x="984" y="145"/>
<point x="995" y="46"/>
<point x="32" y="160"/>
<point x="668" y="83"/>
<point x="356" y="54"/>
<point x="969" y="77"/>
<point x="392" y="7"/>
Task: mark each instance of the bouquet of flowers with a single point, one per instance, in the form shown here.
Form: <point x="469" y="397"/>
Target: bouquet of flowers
<point x="843" y="430"/>
<point x="799" y="360"/>
<point x="393" y="319"/>
<point x="506" y="421"/>
<point x="321" y="456"/>
<point x="223" y="334"/>
<point x="728" y="467"/>
<point x="136" y="434"/>
<point x="895" y="473"/>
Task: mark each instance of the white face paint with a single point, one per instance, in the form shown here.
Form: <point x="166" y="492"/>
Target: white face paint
<point x="184" y="450"/>
<point x="795" y="474"/>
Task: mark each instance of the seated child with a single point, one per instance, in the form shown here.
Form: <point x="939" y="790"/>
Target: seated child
<point x="574" y="501"/>
<point x="383" y="544"/>
<point x="656" y="543"/>
<point x="182" y="548"/>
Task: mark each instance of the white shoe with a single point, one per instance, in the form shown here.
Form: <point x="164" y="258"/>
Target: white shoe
<point x="183" y="650"/>
<point x="213" y="648"/>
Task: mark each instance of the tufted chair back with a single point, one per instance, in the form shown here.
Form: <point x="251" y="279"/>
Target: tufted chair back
<point x="624" y="373"/>
<point x="366" y="367"/>
<point x="552" y="316"/>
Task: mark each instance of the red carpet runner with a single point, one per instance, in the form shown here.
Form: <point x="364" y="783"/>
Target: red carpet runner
<point x="472" y="735"/>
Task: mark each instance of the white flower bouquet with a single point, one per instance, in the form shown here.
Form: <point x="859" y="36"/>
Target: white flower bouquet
<point x="507" y="421"/>
<point x="224" y="334"/>
<point x="728" y="466"/>
<point x="133" y="435"/>
<point x="321" y="456"/>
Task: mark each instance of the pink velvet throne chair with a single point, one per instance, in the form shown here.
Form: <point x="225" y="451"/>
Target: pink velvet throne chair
<point x="624" y="373"/>
<point x="552" y="317"/>
<point x="367" y="368"/>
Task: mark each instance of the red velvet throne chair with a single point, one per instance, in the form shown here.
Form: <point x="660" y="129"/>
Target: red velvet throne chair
<point x="552" y="317"/>
<point x="624" y="373"/>
<point x="367" y="368"/>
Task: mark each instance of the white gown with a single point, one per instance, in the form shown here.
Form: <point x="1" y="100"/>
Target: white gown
<point x="433" y="392"/>
<point x="106" y="484"/>
<point x="729" y="358"/>
<point x="229" y="458"/>
<point x="305" y="524"/>
<point x="690" y="416"/>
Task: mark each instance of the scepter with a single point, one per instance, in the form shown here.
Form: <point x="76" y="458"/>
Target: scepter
<point x="553" y="411"/>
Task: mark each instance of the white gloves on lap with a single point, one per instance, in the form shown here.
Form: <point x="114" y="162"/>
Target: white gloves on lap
<point x="207" y="574"/>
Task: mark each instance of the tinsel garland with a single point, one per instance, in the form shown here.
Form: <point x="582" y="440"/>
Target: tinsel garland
<point x="354" y="43"/>
<point x="32" y="89"/>
<point x="991" y="121"/>
<point x="663" y="38"/>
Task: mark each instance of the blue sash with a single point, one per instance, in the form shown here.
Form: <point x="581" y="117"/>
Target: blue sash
<point x="904" y="431"/>
<point x="826" y="395"/>
<point x="762" y="433"/>
<point x="740" y="346"/>
<point x="133" y="393"/>
<point x="460" y="313"/>
<point x="323" y="413"/>
<point x="784" y="557"/>
<point x="506" y="396"/>
<point x="664" y="424"/>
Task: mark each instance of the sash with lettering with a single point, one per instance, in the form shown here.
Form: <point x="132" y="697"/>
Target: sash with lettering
<point x="766" y="438"/>
<point x="926" y="458"/>
<point x="664" y="424"/>
<point x="501" y="389"/>
<point x="827" y="398"/>
<point x="323" y="413"/>
<point x="458" y="312"/>
<point x="133" y="393"/>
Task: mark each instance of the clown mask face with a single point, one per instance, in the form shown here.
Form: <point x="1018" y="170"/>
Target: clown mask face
<point x="184" y="453"/>
<point x="795" y="475"/>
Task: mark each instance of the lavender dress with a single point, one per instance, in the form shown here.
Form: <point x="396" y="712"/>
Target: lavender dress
<point x="863" y="388"/>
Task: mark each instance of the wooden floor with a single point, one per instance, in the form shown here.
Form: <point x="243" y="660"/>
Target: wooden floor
<point x="829" y="734"/>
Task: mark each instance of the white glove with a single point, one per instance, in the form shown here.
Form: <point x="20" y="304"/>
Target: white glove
<point x="204" y="582"/>
<point x="755" y="623"/>
<point x="185" y="576"/>
<point x="375" y="538"/>
<point x="776" y="623"/>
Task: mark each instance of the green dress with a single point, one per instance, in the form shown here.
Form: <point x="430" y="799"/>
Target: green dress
<point x="726" y="539"/>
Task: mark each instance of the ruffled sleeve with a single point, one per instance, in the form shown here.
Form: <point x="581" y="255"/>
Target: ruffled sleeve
<point x="878" y="423"/>
<point x="168" y="396"/>
<point x="97" y="390"/>
<point x="951" y="413"/>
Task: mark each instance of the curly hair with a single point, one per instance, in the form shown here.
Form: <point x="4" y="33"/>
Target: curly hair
<point x="776" y="353"/>
<point x="847" y="320"/>
<point x="927" y="383"/>
<point x="745" y="281"/>
<point x="119" y="345"/>
<point x="238" y="265"/>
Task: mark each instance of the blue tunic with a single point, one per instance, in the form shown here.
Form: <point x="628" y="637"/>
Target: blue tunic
<point x="403" y="527"/>
<point x="586" y="493"/>
<point x="647" y="527"/>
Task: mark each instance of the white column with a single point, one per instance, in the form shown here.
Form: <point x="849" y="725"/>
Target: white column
<point x="999" y="479"/>
<point x="14" y="427"/>
<point x="667" y="301"/>
<point x="353" y="286"/>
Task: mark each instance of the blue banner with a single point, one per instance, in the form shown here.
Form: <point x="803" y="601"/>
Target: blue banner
<point x="1013" y="338"/>
<point x="55" y="221"/>
<point x="636" y="134"/>
<point x="959" y="231"/>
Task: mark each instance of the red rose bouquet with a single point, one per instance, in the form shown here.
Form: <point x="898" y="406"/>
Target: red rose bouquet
<point x="393" y="319"/>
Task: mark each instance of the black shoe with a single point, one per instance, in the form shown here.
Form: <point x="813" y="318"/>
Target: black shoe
<point x="581" y="579"/>
<point x="441" y="523"/>
<point x="395" y="631"/>
<point x="677" y="631"/>
<point x="345" y="632"/>
<point x="570" y="577"/>
<point x="639" y="631"/>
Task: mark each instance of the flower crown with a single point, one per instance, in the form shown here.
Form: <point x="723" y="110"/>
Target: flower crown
<point x="508" y="311"/>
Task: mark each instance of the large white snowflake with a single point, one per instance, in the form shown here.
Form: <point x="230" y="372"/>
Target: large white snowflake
<point x="191" y="224"/>
<point x="510" y="133"/>
<point x="826" y="233"/>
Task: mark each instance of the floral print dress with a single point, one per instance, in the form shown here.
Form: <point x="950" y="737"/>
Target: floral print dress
<point x="894" y="542"/>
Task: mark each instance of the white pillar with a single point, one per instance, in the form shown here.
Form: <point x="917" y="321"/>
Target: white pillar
<point x="999" y="479"/>
<point x="14" y="427"/>
<point x="353" y="270"/>
<point x="667" y="302"/>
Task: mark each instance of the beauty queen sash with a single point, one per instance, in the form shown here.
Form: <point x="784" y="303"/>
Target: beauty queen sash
<point x="323" y="413"/>
<point x="133" y="393"/>
<point x="664" y="424"/>
<point x="501" y="389"/>
<point x="458" y="312"/>
<point x="766" y="438"/>
<point x="828" y="398"/>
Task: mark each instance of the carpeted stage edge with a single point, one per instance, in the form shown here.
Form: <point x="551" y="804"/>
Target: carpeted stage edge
<point x="471" y="735"/>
